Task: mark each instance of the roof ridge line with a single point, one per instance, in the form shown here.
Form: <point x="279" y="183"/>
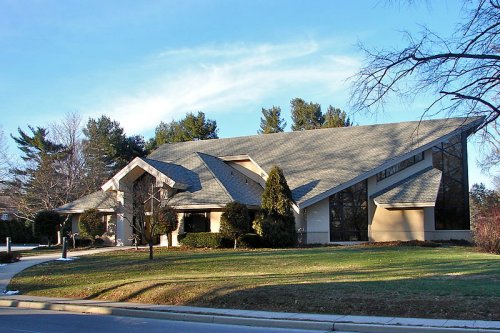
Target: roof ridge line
<point x="213" y="174"/>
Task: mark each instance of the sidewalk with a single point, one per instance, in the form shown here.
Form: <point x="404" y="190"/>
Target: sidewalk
<point x="8" y="271"/>
<point x="255" y="318"/>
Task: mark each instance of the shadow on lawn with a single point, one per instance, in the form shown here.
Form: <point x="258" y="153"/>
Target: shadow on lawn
<point x="360" y="298"/>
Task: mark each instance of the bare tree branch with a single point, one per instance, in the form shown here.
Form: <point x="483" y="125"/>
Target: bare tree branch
<point x="462" y="71"/>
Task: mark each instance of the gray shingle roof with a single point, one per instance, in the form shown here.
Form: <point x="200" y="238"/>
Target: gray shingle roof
<point x="104" y="201"/>
<point x="176" y="172"/>
<point x="420" y="188"/>
<point x="238" y="187"/>
<point x="314" y="162"/>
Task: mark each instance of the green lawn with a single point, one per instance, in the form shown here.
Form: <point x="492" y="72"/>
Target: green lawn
<point x="444" y="282"/>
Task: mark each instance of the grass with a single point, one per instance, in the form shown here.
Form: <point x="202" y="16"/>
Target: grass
<point x="443" y="282"/>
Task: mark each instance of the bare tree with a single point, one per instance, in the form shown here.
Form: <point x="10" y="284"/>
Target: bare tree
<point x="462" y="71"/>
<point x="68" y="133"/>
<point x="4" y="158"/>
<point x="151" y="213"/>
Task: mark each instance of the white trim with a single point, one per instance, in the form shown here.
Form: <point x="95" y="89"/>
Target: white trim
<point x="384" y="166"/>
<point x="244" y="157"/>
<point x="406" y="204"/>
<point x="206" y="206"/>
<point x="114" y="182"/>
<point x="79" y="211"/>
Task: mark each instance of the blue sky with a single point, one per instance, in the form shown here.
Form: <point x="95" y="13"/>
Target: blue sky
<point x="141" y="62"/>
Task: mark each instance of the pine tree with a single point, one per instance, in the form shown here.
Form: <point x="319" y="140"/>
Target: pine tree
<point x="306" y="116"/>
<point x="39" y="185"/>
<point x="271" y="122"/>
<point x="335" y="117"/>
<point x="107" y="149"/>
<point x="192" y="127"/>
<point x="276" y="223"/>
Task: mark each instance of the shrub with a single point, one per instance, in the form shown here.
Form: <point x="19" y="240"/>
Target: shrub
<point x="276" y="223"/>
<point x="167" y="222"/>
<point x="275" y="231"/>
<point x="18" y="231"/>
<point x="486" y="231"/>
<point x="91" y="225"/>
<point x="201" y="239"/>
<point x="7" y="258"/>
<point x="250" y="241"/>
<point x="234" y="221"/>
<point x="46" y="224"/>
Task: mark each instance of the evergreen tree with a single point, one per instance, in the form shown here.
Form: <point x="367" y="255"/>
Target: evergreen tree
<point x="167" y="222"/>
<point x="335" y="117"/>
<point x="234" y="221"/>
<point x="271" y="122"/>
<point x="107" y="149"/>
<point x="276" y="223"/>
<point x="91" y="225"/>
<point x="306" y="116"/>
<point x="39" y="184"/>
<point x="192" y="127"/>
<point x="46" y="223"/>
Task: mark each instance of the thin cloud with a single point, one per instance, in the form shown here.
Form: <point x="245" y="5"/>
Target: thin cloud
<point x="220" y="79"/>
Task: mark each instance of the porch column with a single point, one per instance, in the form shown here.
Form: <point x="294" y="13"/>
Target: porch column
<point x="124" y="218"/>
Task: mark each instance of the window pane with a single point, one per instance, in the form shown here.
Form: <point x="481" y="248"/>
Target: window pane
<point x="451" y="211"/>
<point x="349" y="214"/>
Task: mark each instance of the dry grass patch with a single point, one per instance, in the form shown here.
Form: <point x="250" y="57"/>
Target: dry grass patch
<point x="443" y="282"/>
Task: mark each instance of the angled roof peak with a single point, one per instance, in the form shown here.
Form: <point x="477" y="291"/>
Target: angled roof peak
<point x="319" y="162"/>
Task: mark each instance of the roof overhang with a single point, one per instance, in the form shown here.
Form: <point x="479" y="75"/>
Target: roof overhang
<point x="245" y="157"/>
<point x="472" y="125"/>
<point x="80" y="211"/>
<point x="207" y="206"/>
<point x="405" y="205"/>
<point x="135" y="169"/>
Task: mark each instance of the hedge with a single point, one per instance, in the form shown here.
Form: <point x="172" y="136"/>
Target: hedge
<point x="201" y="239"/>
<point x="250" y="241"/>
<point x="18" y="231"/>
<point x="7" y="258"/>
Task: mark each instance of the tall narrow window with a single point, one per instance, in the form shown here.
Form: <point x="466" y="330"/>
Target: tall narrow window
<point x="349" y="214"/>
<point x="452" y="205"/>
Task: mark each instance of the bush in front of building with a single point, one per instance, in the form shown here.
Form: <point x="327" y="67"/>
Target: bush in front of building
<point x="485" y="218"/>
<point x="249" y="241"/>
<point x="8" y="258"/>
<point x="46" y="224"/>
<point x="201" y="240"/>
<point x="234" y="221"/>
<point x="486" y="231"/>
<point x="276" y="223"/>
<point x="91" y="225"/>
<point x="18" y="231"/>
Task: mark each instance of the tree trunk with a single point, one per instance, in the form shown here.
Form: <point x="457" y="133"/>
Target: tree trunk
<point x="59" y="237"/>
<point x="151" y="249"/>
<point x="235" y="241"/>
<point x="169" y="239"/>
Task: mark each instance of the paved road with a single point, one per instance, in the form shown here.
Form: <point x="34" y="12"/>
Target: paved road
<point x="13" y="320"/>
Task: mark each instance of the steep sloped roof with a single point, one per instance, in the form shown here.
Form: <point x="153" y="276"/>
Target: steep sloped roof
<point x="100" y="200"/>
<point x="316" y="163"/>
<point x="418" y="190"/>
<point x="237" y="186"/>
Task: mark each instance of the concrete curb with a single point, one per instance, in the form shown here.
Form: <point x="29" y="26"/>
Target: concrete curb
<point x="201" y="318"/>
<point x="367" y="328"/>
<point x="239" y="320"/>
